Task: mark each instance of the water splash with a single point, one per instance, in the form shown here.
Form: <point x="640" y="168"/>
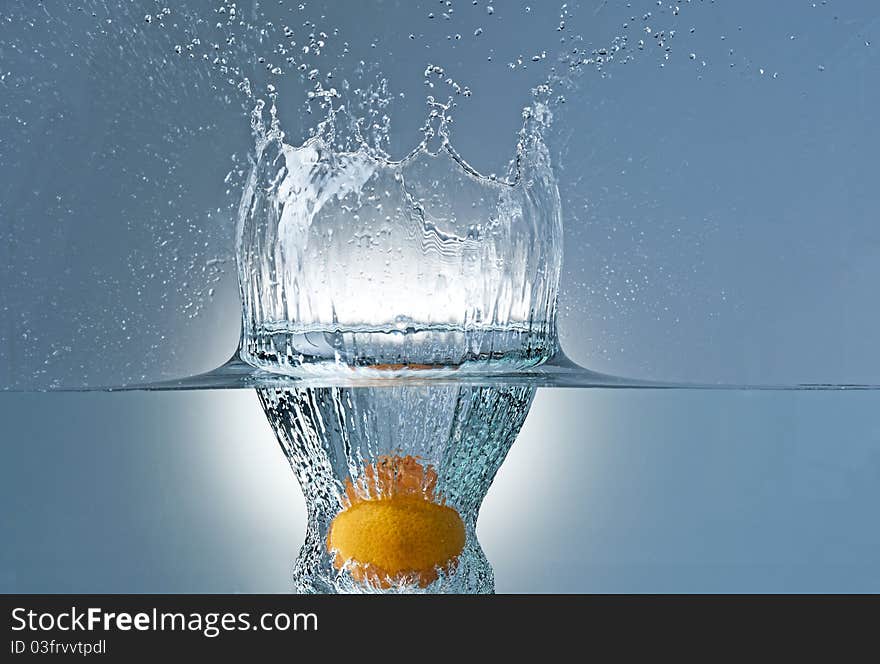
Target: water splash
<point x="350" y="258"/>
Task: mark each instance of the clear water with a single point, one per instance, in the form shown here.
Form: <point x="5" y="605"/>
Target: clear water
<point x="603" y="491"/>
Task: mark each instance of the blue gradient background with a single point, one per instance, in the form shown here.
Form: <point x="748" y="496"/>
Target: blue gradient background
<point x="721" y="225"/>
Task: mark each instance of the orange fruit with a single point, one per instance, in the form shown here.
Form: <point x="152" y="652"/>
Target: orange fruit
<point x="392" y="529"/>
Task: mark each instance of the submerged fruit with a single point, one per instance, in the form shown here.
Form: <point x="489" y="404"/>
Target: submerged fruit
<point x="396" y="539"/>
<point x="392" y="528"/>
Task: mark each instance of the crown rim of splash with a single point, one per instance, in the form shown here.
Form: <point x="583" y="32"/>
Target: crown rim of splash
<point x="472" y="289"/>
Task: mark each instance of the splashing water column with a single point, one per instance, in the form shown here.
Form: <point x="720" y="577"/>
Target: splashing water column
<point x="356" y="266"/>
